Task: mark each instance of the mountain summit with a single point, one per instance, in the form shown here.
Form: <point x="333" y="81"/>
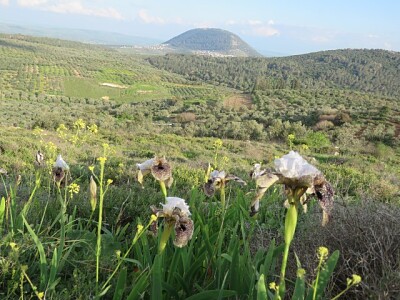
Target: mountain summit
<point x="210" y="41"/>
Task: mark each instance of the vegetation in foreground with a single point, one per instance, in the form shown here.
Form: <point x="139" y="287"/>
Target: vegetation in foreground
<point x="53" y="100"/>
<point x="55" y="246"/>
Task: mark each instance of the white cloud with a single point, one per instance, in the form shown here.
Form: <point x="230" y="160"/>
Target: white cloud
<point x="254" y="22"/>
<point x="72" y="7"/>
<point x="255" y="27"/>
<point x="76" y="7"/>
<point x="148" y="19"/>
<point x="31" y="3"/>
<point x="265" y="31"/>
<point x="231" y="22"/>
<point x="4" y="2"/>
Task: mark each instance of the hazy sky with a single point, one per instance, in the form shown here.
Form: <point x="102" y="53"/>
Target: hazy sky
<point x="285" y="26"/>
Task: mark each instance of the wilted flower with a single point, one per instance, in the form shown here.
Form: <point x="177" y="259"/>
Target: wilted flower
<point x="60" y="163"/>
<point x="298" y="177"/>
<point x="93" y="193"/>
<point x="59" y="170"/>
<point x="175" y="203"/>
<point x="159" y="168"/>
<point x="144" y="169"/>
<point x="39" y="160"/>
<point x="176" y="215"/>
<point x="218" y="180"/>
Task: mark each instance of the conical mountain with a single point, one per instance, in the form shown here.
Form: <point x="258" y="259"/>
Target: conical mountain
<point x="211" y="41"/>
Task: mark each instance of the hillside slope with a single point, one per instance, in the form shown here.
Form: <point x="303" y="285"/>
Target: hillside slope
<point x="375" y="71"/>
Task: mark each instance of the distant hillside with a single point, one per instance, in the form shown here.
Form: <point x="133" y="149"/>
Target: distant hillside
<point x="375" y="71"/>
<point x="211" y="41"/>
<point x="79" y="35"/>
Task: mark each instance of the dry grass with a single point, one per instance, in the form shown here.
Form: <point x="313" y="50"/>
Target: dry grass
<point x="237" y="102"/>
<point x="368" y="238"/>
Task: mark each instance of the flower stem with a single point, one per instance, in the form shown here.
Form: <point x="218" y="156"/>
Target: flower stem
<point x="222" y="192"/>
<point x="100" y="220"/>
<point x="321" y="260"/>
<point x="165" y="236"/>
<point x="290" y="228"/>
<point x="163" y="188"/>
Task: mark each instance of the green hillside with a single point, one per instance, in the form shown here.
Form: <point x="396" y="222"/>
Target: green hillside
<point x="106" y="110"/>
<point x="55" y="67"/>
<point x="372" y="71"/>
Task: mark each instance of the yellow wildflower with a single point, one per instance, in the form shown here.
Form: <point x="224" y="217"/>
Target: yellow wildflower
<point x="102" y="159"/>
<point x="273" y="286"/>
<point x="74" y="188"/>
<point x="323" y="252"/>
<point x="139" y="228"/>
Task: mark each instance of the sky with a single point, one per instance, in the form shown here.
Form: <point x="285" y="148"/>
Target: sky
<point x="285" y="27"/>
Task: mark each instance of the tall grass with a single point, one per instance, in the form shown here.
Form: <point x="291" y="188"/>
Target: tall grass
<point x="70" y="253"/>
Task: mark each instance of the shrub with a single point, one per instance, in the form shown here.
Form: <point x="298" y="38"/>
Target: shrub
<point x="186" y="117"/>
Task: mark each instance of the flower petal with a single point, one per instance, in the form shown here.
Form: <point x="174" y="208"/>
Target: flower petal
<point x="60" y="163"/>
<point x="161" y="170"/>
<point x="183" y="232"/>
<point x="175" y="202"/>
<point x="292" y="165"/>
<point x="146" y="165"/>
<point x="235" y="178"/>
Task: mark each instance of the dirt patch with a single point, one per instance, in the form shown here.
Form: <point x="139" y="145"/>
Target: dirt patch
<point x="237" y="102"/>
<point x="113" y="85"/>
<point x="76" y="73"/>
<point x="143" y="92"/>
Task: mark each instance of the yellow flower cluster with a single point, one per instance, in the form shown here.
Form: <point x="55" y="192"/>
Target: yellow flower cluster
<point x="74" y="188"/>
<point x="79" y="124"/>
<point x="323" y="252"/>
<point x="102" y="159"/>
<point x="355" y="279"/>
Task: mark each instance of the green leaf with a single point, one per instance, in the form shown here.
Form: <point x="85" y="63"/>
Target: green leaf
<point x="39" y="246"/>
<point x="227" y="257"/>
<point x="119" y="289"/>
<point x="171" y="291"/>
<point x="269" y="258"/>
<point x="212" y="294"/>
<point x="104" y="291"/>
<point x="299" y="289"/>
<point x="139" y="287"/>
<point x="183" y="283"/>
<point x="2" y="212"/>
<point x="53" y="269"/>
<point x="234" y="271"/>
<point x="326" y="273"/>
<point x="156" y="272"/>
<point x="261" y="288"/>
<point x="174" y="265"/>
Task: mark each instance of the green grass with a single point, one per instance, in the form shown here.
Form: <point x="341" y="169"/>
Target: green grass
<point x="89" y="88"/>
